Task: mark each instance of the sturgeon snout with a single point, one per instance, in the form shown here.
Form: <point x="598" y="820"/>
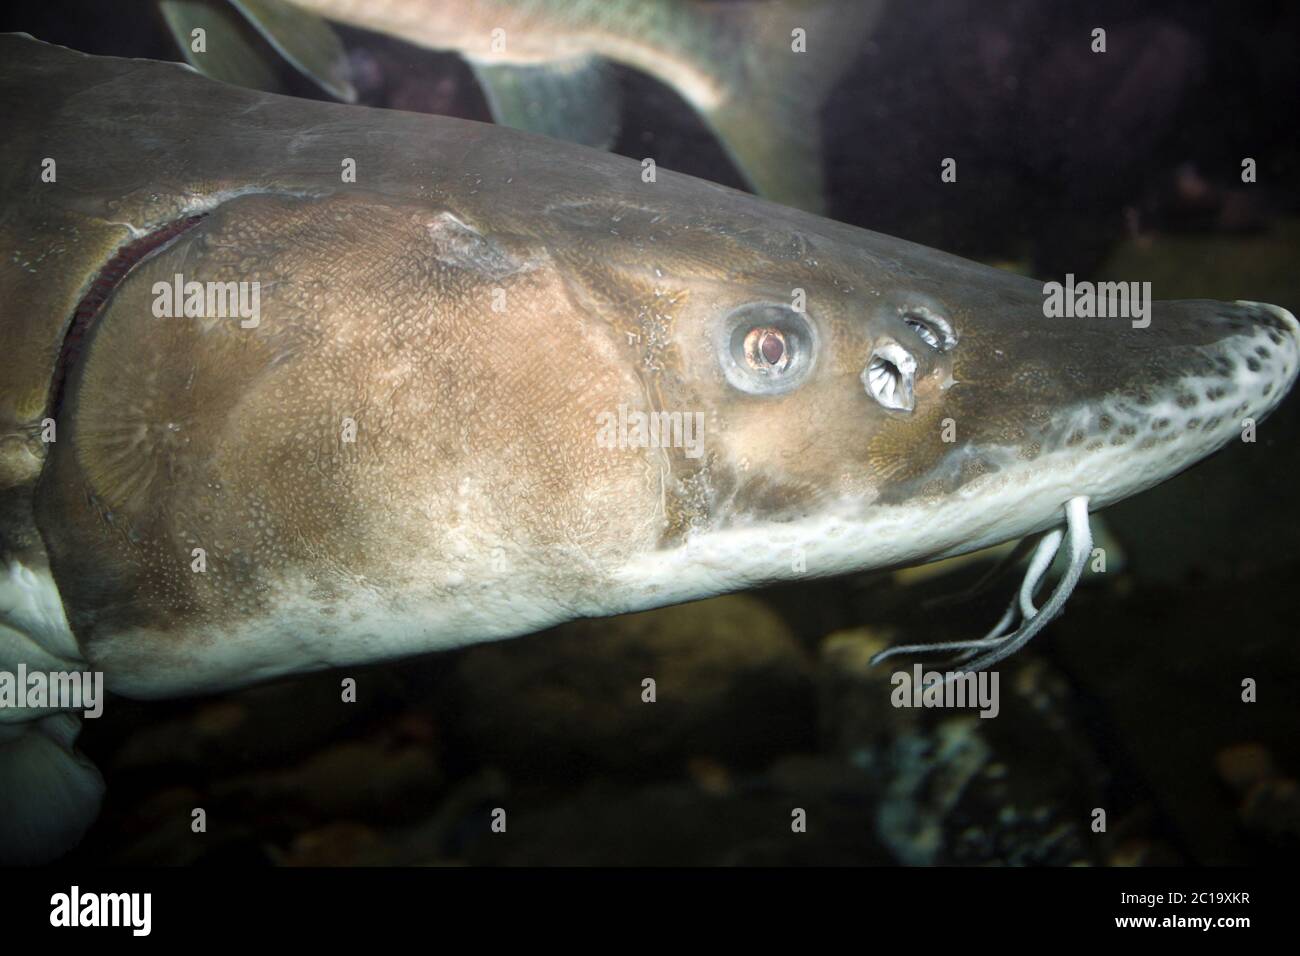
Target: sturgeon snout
<point x="1214" y="372"/>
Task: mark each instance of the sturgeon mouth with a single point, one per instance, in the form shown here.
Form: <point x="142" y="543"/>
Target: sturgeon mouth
<point x="110" y="276"/>
<point x="1114" y="448"/>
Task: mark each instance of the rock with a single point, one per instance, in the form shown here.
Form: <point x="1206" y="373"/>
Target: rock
<point x="678" y="824"/>
<point x="730" y="684"/>
<point x="1242" y="766"/>
<point x="369" y="779"/>
<point x="336" y="844"/>
<point x="263" y="726"/>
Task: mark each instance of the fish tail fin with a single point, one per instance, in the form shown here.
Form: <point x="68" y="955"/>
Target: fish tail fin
<point x="49" y="793"/>
<point x="790" y="56"/>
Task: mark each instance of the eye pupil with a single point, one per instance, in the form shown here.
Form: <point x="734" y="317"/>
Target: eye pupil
<point x="772" y="348"/>
<point x="766" y="350"/>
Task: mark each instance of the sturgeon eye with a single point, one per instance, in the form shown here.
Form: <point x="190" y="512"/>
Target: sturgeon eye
<point x="766" y="349"/>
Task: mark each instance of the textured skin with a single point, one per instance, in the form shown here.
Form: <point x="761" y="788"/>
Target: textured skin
<point x="474" y="502"/>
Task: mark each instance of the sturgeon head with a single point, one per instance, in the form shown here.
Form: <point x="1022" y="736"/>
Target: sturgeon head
<point x="869" y="403"/>
<point x="499" y="382"/>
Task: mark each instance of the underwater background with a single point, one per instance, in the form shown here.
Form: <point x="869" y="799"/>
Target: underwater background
<point x="1125" y="166"/>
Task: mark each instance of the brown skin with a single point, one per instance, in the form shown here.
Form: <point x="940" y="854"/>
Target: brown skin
<point x="182" y="434"/>
<point x="475" y="427"/>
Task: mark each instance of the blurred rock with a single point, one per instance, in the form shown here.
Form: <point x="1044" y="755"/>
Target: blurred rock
<point x="1271" y="811"/>
<point x="730" y="684"/>
<point x="1270" y="802"/>
<point x="679" y="825"/>
<point x="1143" y="852"/>
<point x="262" y="726"/>
<point x="1242" y="766"/>
<point x="336" y="844"/>
<point x="363" y="779"/>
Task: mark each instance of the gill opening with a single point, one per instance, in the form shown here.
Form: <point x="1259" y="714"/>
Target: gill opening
<point x="111" y="275"/>
<point x="997" y="645"/>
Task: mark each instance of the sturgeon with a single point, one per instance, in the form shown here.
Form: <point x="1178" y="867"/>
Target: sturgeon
<point x="757" y="73"/>
<point x="461" y="411"/>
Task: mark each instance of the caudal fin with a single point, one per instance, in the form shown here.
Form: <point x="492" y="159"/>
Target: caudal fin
<point x="791" y="55"/>
<point x="49" y="793"/>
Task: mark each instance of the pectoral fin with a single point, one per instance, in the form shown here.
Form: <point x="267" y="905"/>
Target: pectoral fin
<point x="306" y="41"/>
<point x="51" y="793"/>
<point x="770" y="121"/>
<point x="575" y="100"/>
<point x="245" y="38"/>
<point x="226" y="50"/>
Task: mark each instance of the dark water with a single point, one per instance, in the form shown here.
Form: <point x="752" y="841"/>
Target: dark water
<point x="1123" y="166"/>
